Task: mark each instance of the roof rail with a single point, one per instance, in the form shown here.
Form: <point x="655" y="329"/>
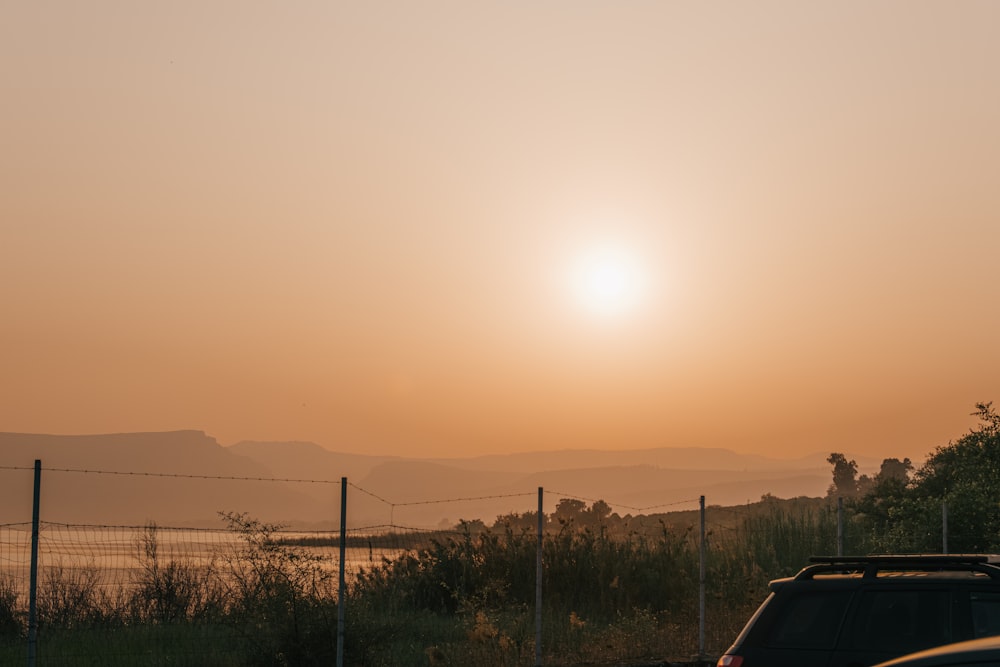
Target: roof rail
<point x="909" y="558"/>
<point x="872" y="565"/>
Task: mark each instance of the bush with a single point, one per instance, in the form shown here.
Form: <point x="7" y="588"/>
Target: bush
<point x="12" y="617"/>
<point x="172" y="591"/>
<point x="71" y="598"/>
<point x="281" y="599"/>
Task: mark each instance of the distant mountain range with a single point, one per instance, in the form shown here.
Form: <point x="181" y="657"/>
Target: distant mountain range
<point x="187" y="477"/>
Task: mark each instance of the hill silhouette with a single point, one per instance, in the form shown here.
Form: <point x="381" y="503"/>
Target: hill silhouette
<point x="175" y="476"/>
<point x="182" y="478"/>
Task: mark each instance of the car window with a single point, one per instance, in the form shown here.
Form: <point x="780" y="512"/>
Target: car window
<point x="985" y="609"/>
<point x="810" y="620"/>
<point x="902" y="621"/>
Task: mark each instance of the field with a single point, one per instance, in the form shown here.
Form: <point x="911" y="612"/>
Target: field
<point x="613" y="592"/>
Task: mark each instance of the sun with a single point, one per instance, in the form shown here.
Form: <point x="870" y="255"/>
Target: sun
<point x="607" y="281"/>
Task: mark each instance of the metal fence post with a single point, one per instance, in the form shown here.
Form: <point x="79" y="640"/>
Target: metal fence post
<point x="341" y="585"/>
<point x="701" y="584"/>
<point x="33" y="584"/>
<point x="840" y="525"/>
<point x="944" y="527"/>
<point x="538" y="583"/>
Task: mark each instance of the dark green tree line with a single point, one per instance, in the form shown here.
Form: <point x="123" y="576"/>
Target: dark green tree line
<point x="903" y="509"/>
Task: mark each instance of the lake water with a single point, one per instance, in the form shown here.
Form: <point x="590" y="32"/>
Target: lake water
<point x="119" y="553"/>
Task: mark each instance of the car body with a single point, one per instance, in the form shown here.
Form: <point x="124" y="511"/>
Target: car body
<point x="859" y="611"/>
<point x="971" y="653"/>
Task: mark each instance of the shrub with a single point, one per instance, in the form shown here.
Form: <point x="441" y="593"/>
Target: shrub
<point x="74" y="598"/>
<point x="281" y="598"/>
<point x="171" y="591"/>
<point x="12" y="617"/>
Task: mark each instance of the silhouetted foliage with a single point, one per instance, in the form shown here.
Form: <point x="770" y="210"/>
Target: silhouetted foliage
<point x="569" y="510"/>
<point x="611" y="585"/>
<point x="280" y="597"/>
<point x="11" y="616"/>
<point x="906" y="513"/>
<point x="467" y="595"/>
<point x="895" y="470"/>
<point x="845" y="483"/>
<point x="170" y="590"/>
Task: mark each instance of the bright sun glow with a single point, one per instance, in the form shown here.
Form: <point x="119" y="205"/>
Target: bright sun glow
<point x="607" y="281"/>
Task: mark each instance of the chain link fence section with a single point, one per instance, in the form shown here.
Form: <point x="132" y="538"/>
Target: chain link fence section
<point x="129" y="595"/>
<point x="189" y="583"/>
<point x="15" y="561"/>
<point x="454" y="580"/>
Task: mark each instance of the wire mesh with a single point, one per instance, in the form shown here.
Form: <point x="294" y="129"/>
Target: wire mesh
<point x="132" y="571"/>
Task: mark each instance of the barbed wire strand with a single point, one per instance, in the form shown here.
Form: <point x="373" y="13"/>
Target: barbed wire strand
<point x="366" y="491"/>
<point x="193" y="476"/>
<point x="156" y="526"/>
<point x="456" y="500"/>
<point x="355" y="486"/>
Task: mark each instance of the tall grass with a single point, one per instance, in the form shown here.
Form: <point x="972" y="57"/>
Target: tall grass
<point x="611" y="592"/>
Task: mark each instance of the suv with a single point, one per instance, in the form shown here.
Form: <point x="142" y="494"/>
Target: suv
<point x="858" y="611"/>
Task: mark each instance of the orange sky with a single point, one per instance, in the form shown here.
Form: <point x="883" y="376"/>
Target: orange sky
<point x="357" y="223"/>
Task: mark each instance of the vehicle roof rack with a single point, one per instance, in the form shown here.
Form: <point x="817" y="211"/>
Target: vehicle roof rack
<point x="910" y="558"/>
<point x="872" y="565"/>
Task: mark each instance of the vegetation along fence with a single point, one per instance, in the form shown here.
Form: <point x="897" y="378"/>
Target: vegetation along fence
<point x="555" y="579"/>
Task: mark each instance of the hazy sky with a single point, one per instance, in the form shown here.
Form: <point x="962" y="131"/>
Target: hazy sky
<point x="449" y="228"/>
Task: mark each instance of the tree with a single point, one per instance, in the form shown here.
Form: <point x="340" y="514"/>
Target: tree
<point x="964" y="475"/>
<point x="893" y="473"/>
<point x="568" y="510"/>
<point x="597" y="516"/>
<point x="894" y="469"/>
<point x="845" y="473"/>
<point x="517" y="523"/>
<point x="878" y="506"/>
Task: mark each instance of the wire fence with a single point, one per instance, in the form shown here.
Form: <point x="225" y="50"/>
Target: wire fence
<point x="362" y="579"/>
